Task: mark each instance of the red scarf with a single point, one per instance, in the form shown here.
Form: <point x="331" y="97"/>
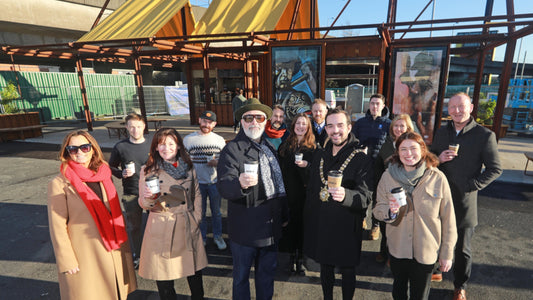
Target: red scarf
<point x="274" y="133"/>
<point x="110" y="225"/>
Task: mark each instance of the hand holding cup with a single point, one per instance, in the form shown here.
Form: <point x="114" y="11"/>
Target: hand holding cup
<point x="249" y="177"/>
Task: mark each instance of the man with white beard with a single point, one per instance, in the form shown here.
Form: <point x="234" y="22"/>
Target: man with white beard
<point x="257" y="206"/>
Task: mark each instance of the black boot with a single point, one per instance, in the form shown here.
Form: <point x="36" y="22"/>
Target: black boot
<point x="292" y="264"/>
<point x="300" y="270"/>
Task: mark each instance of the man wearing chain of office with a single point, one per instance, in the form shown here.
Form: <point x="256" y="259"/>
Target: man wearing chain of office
<point x="334" y="212"/>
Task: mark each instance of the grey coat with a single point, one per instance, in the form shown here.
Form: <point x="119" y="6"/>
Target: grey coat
<point x="477" y="149"/>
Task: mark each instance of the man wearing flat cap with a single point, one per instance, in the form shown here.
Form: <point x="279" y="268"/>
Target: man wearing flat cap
<point x="204" y="147"/>
<point x="250" y="178"/>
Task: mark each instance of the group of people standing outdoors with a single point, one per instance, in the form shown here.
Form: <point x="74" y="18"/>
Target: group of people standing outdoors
<point x="303" y="188"/>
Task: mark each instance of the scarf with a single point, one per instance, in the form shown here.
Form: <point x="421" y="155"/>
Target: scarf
<point x="110" y="224"/>
<point x="270" y="173"/>
<point x="407" y="179"/>
<point x="178" y="172"/>
<point x="274" y="133"/>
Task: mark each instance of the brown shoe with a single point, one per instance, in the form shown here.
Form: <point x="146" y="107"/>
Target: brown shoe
<point x="374" y="233"/>
<point x="436" y="277"/>
<point x="459" y="294"/>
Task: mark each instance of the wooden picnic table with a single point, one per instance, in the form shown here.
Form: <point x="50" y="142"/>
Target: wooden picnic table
<point x="118" y="128"/>
<point x="157" y="121"/>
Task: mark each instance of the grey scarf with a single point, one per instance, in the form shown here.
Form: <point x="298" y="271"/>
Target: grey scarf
<point x="270" y="173"/>
<point x="407" y="179"/>
<point x="178" y="172"/>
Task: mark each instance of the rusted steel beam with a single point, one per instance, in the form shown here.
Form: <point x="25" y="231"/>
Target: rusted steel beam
<point x="457" y="27"/>
<point x="84" y="97"/>
<point x="338" y="16"/>
<point x="139" y="83"/>
<point x="417" y="17"/>
<point x="294" y="17"/>
<point x="513" y="36"/>
<point x="100" y="14"/>
<point x="207" y="87"/>
<point x="478" y="81"/>
<point x="505" y="75"/>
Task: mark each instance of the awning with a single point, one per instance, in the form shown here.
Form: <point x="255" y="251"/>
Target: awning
<point x="234" y="16"/>
<point x="144" y="19"/>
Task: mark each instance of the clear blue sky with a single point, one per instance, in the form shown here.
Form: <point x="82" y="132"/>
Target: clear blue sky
<point x="375" y="11"/>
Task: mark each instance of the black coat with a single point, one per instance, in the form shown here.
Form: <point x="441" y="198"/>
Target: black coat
<point x="252" y="220"/>
<point x="381" y="163"/>
<point x="333" y="230"/>
<point x="372" y="132"/>
<point x="295" y="179"/>
<point x="477" y="148"/>
<point x="321" y="138"/>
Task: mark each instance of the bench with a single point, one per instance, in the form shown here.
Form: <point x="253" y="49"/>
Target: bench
<point x="21" y="131"/>
<point x="117" y="128"/>
<point x="529" y="156"/>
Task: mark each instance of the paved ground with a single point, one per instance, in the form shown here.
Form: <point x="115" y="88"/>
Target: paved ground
<point x="503" y="243"/>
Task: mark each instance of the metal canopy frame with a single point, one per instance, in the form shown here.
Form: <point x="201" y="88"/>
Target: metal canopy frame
<point x="166" y="52"/>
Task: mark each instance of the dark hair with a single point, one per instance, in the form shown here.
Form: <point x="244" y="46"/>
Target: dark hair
<point x="155" y="160"/>
<point x="339" y="111"/>
<point x="96" y="160"/>
<point x="278" y="106"/>
<point x="379" y="96"/>
<point x="135" y="117"/>
<point x="425" y="155"/>
<point x="308" y="141"/>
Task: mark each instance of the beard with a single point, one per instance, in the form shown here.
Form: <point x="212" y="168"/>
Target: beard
<point x="205" y="129"/>
<point x="253" y="132"/>
<point x="276" y="125"/>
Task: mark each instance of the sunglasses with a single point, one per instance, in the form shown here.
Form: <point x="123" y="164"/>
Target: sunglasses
<point x="74" y="149"/>
<point x="250" y="118"/>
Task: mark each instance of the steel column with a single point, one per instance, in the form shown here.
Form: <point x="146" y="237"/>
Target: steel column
<point x="84" y="98"/>
<point x="478" y="82"/>
<point x="140" y="90"/>
<point x="207" y="83"/>
<point x="505" y="74"/>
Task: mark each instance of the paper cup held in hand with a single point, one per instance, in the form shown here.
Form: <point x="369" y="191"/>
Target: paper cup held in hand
<point x="334" y="179"/>
<point x="251" y="167"/>
<point x="152" y="183"/>
<point x="298" y="157"/>
<point x="399" y="194"/>
<point x="131" y="166"/>
<point x="454" y="148"/>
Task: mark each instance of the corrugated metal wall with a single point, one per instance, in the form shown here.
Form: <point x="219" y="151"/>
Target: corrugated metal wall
<point x="57" y="95"/>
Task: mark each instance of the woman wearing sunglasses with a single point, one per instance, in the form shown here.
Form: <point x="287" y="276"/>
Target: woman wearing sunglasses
<point x="87" y="228"/>
<point x="172" y="245"/>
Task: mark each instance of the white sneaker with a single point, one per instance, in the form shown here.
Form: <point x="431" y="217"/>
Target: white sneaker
<point x="219" y="241"/>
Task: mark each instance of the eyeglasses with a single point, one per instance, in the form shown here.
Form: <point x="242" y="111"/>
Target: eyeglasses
<point x="250" y="118"/>
<point x="74" y="149"/>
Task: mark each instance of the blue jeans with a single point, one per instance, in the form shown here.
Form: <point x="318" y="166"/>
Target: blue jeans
<point x="214" y="204"/>
<point x="264" y="260"/>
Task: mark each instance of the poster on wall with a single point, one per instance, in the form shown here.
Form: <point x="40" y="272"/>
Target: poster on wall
<point x="418" y="74"/>
<point x="296" y="77"/>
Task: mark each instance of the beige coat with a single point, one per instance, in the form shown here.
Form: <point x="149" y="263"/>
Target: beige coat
<point x="172" y="245"/>
<point x="428" y="232"/>
<point x="77" y="242"/>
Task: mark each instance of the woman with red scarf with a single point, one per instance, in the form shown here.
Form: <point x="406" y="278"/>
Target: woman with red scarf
<point x="87" y="228"/>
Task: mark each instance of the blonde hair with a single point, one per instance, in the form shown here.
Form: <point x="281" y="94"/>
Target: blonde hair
<point x="408" y="123"/>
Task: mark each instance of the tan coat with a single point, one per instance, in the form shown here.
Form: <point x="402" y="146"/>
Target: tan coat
<point x="428" y="232"/>
<point x="77" y="242"/>
<point x="172" y="245"/>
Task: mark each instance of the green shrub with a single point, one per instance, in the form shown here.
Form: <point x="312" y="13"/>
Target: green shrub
<point x="8" y="94"/>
